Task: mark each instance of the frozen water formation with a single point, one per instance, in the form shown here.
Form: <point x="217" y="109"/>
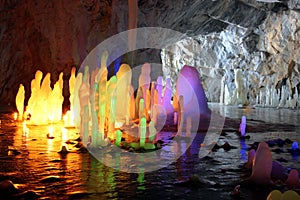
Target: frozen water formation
<point x="262" y="165"/>
<point x="287" y="195"/>
<point x="100" y="106"/>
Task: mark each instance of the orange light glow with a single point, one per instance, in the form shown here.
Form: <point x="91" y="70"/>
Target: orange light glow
<point x="15" y="116"/>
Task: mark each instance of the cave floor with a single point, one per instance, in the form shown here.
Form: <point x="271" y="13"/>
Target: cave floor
<point x="31" y="162"/>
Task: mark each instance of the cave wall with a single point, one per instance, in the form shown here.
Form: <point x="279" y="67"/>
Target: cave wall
<point x="267" y="54"/>
<point x="54" y="36"/>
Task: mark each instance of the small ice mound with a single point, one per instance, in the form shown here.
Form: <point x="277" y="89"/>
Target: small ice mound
<point x="287" y="195"/>
<point x="251" y="156"/>
<point x="190" y="87"/>
<point x="293" y="179"/>
<point x="295" y="146"/>
<point x="290" y="195"/>
<point x="262" y="165"/>
<point x="278" y="171"/>
<point x="274" y="195"/>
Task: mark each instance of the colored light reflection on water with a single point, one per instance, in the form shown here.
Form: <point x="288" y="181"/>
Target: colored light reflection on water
<point x="40" y="168"/>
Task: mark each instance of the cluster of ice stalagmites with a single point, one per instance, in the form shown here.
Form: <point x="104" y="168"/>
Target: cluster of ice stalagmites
<point x="112" y="104"/>
<point x="101" y="106"/>
<point x="45" y="104"/>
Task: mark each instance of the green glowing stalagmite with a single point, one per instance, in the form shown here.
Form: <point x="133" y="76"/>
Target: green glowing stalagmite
<point x="142" y="131"/>
<point x="118" y="137"/>
<point x="141" y="109"/>
<point x="152" y="132"/>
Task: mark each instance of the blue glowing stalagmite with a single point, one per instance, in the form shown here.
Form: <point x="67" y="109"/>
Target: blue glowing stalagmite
<point x="295" y="146"/>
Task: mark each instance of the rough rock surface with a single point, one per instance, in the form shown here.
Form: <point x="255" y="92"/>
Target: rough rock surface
<point x="268" y="55"/>
<point x="55" y="35"/>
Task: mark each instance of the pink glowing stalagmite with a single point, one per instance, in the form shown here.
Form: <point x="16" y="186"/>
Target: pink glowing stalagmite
<point x="262" y="165"/>
<point x="293" y="179"/>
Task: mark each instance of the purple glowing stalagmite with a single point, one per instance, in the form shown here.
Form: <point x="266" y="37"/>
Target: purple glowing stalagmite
<point x="243" y="126"/>
<point x="190" y="87"/>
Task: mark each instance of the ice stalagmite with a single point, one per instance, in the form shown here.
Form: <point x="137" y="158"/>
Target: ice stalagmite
<point x="20" y="101"/>
<point x="190" y="87"/>
<point x="123" y="94"/>
<point x="262" y="165"/>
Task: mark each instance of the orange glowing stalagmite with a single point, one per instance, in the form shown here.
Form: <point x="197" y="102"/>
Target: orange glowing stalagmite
<point x="20" y="101"/>
<point x="34" y="97"/>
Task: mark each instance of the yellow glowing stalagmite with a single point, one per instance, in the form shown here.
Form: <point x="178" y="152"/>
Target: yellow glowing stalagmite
<point x="20" y="101"/>
<point x="71" y="89"/>
<point x="35" y="89"/>
<point x="55" y="100"/>
<point x="42" y="105"/>
<point x="76" y="101"/>
<point x="123" y="93"/>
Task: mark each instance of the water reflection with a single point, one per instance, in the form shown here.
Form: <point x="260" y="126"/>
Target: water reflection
<point x="243" y="151"/>
<point x="81" y="176"/>
<point x="270" y="115"/>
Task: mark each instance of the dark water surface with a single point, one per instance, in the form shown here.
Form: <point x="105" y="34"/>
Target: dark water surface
<point x="31" y="161"/>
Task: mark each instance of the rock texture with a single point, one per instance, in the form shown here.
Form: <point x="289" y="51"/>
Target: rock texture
<point x="267" y="54"/>
<point x="260" y="38"/>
